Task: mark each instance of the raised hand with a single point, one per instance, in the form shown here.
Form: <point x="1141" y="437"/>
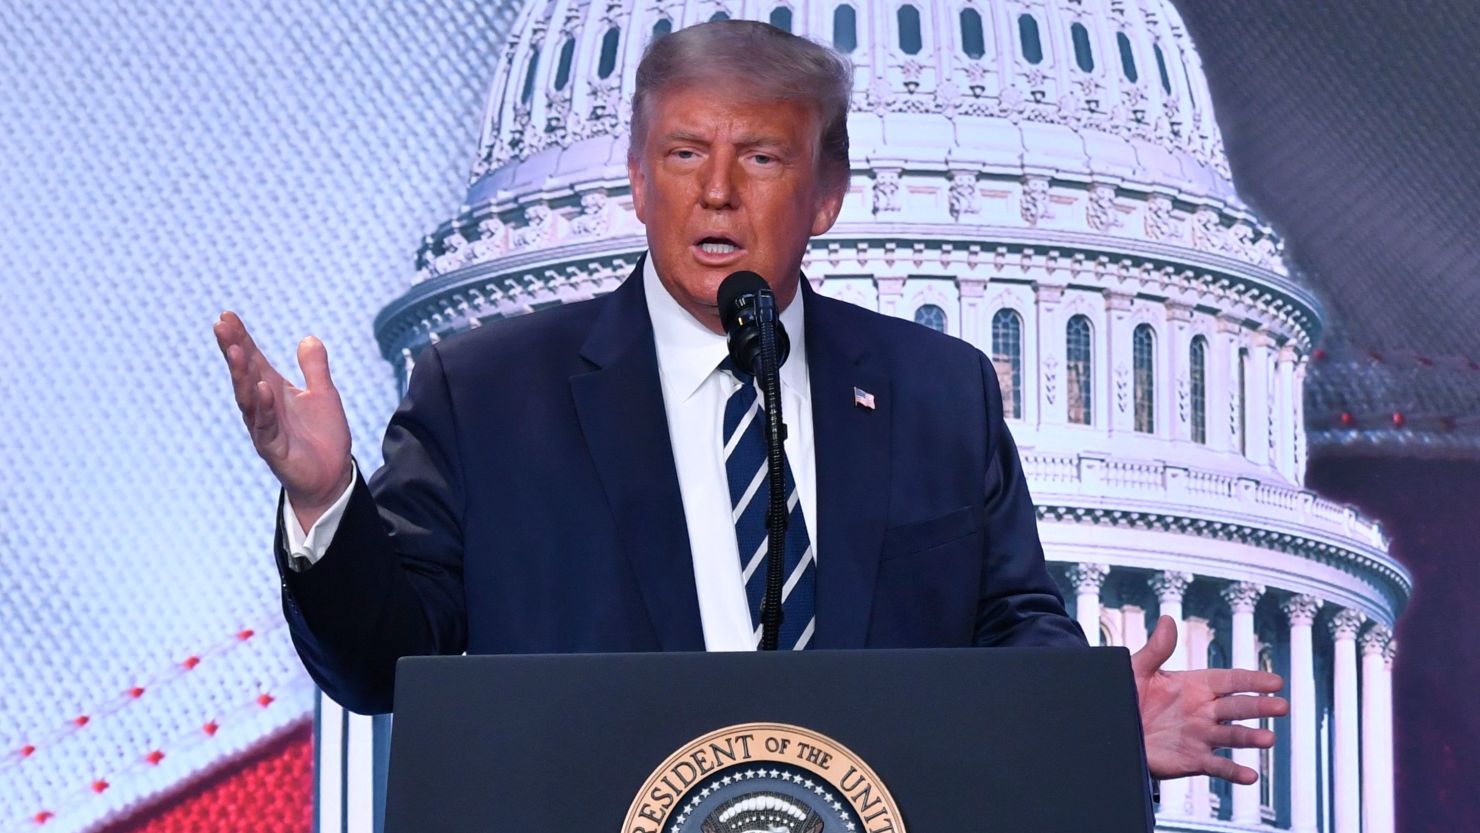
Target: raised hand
<point x="1185" y="715"/>
<point x="302" y="433"/>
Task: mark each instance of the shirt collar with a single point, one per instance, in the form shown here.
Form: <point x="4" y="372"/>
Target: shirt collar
<point x="688" y="351"/>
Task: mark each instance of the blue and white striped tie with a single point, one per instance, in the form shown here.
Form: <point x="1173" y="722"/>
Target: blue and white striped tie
<point x="750" y="495"/>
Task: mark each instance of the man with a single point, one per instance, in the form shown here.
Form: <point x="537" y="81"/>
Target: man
<point x="577" y="479"/>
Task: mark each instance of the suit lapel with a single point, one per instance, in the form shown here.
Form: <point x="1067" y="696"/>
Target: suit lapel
<point x="852" y="447"/>
<point x="620" y="406"/>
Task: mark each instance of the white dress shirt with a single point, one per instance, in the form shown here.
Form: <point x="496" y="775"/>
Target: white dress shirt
<point x="694" y="397"/>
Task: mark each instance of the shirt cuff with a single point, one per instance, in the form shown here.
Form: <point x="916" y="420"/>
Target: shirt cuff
<point x="306" y="548"/>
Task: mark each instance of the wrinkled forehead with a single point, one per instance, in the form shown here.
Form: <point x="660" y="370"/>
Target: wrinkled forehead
<point x="688" y="107"/>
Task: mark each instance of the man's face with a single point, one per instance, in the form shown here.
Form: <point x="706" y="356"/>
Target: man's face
<point x="725" y="184"/>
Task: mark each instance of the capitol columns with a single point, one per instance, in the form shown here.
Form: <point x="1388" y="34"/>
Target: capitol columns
<point x="1116" y="405"/>
<point x="1298" y="452"/>
<point x="975" y="322"/>
<point x="890" y="289"/>
<point x="1087" y="580"/>
<point x="1346" y="748"/>
<point x="1242" y="596"/>
<point x="1301" y="611"/>
<point x="1388" y="753"/>
<point x="1260" y="393"/>
<point x="1133" y="627"/>
<point x="1170" y="586"/>
<point x="1173" y="350"/>
<point x="1198" y="634"/>
<point x="1284" y="409"/>
<point x="1377" y="731"/>
<point x="1223" y="402"/>
<point x="1048" y="330"/>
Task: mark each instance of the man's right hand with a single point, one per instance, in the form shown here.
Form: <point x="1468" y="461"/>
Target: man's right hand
<point x="302" y="433"/>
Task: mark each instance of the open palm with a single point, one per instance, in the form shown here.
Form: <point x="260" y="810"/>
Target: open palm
<point x="301" y="432"/>
<point x="1186" y="715"/>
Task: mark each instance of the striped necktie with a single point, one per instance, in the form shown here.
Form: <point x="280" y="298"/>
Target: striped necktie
<point x="750" y="495"/>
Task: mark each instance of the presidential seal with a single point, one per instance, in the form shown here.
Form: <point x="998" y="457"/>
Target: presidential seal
<point x="763" y="778"/>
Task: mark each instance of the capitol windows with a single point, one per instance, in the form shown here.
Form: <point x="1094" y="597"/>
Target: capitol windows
<point x="607" y="63"/>
<point x="781" y="18"/>
<point x="973" y="41"/>
<point x="1127" y="58"/>
<point x="562" y="69"/>
<point x="1161" y="69"/>
<point x="662" y="27"/>
<point x="1079" y="370"/>
<point x="1084" y="56"/>
<point x="909" y="29"/>
<point x="718" y="16"/>
<point x="529" y="70"/>
<point x="1143" y="373"/>
<point x="931" y="316"/>
<point x="1197" y="363"/>
<point x="1028" y="38"/>
<point x="1007" y="360"/>
<point x="845" y="29"/>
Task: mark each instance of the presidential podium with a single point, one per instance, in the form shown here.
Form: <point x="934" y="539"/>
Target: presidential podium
<point x="877" y="741"/>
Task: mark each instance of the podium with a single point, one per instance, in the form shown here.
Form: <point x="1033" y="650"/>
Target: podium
<point x="866" y="741"/>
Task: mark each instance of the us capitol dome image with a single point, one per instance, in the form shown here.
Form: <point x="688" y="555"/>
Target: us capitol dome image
<point x="1044" y="179"/>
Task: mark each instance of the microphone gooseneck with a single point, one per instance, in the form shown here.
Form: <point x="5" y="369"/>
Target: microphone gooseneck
<point x="758" y="345"/>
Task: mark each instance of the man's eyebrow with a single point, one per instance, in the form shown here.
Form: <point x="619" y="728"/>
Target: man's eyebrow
<point x="761" y="140"/>
<point x="746" y="140"/>
<point x="682" y="135"/>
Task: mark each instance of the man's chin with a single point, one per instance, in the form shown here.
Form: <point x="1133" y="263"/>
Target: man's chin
<point x="706" y="280"/>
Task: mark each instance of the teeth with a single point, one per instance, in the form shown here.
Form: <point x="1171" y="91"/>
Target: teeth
<point x="718" y="248"/>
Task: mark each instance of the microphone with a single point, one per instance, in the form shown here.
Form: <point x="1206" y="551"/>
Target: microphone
<point x="745" y="302"/>
<point x="758" y="345"/>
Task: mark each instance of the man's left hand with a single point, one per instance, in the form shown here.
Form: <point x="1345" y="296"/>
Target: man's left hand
<point x="1185" y="715"/>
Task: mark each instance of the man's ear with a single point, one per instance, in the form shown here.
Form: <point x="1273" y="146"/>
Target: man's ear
<point x="829" y="205"/>
<point x="639" y="187"/>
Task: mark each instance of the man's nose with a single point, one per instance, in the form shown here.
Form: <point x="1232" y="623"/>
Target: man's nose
<point x="719" y="190"/>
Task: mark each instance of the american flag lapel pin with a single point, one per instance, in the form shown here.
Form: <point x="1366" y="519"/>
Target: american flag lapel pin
<point x="863" y="399"/>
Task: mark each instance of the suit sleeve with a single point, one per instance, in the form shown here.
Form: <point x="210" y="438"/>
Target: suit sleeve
<point x="1018" y="603"/>
<point x="390" y="583"/>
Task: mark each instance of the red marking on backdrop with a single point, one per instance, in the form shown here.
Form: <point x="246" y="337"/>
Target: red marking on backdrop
<point x="106" y="709"/>
<point x="268" y="790"/>
<point x="101" y="784"/>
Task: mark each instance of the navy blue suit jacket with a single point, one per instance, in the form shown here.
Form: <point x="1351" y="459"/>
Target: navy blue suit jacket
<point x="529" y="503"/>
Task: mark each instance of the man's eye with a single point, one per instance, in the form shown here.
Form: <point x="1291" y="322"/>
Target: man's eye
<point x="684" y="154"/>
<point x="763" y="159"/>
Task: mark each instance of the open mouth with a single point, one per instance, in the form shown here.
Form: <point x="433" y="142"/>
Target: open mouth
<point x="718" y="245"/>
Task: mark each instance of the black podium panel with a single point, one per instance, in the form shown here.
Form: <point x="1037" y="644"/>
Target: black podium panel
<point x="1004" y="739"/>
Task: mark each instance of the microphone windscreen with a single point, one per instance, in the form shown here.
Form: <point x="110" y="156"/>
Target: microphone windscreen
<point x="737" y="284"/>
